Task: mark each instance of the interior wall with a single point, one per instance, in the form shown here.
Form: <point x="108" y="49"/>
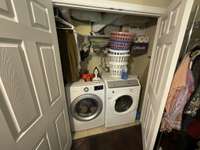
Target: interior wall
<point x="196" y="2"/>
<point x="95" y="61"/>
<point x="195" y="34"/>
<point x="156" y="3"/>
<point x="140" y="64"/>
<point x="83" y="29"/>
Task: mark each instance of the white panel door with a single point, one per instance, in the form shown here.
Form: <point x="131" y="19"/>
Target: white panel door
<point x="33" y="112"/>
<point x="169" y="37"/>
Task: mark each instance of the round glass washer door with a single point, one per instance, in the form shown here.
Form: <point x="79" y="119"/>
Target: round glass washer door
<point x="123" y="103"/>
<point x="86" y="107"/>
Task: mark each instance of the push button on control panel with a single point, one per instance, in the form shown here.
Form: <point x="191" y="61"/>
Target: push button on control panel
<point x="86" y="89"/>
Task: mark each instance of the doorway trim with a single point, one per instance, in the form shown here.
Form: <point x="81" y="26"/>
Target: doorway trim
<point x="112" y="6"/>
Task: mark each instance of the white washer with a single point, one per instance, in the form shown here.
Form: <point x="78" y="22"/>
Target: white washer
<point x="86" y="104"/>
<point x="122" y="98"/>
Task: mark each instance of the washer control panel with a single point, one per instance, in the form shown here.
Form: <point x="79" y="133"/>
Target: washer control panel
<point x="95" y="88"/>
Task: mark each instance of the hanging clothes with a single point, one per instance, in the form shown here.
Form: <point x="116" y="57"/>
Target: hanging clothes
<point x="68" y="51"/>
<point x="194" y="103"/>
<point x="181" y="89"/>
<point x="195" y="57"/>
<point x="179" y="82"/>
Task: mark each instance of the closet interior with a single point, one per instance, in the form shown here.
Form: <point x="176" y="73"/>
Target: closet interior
<point x="180" y="126"/>
<point x="92" y="30"/>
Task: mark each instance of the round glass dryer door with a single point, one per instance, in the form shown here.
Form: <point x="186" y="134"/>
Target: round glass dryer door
<point x="86" y="107"/>
<point x="123" y="103"/>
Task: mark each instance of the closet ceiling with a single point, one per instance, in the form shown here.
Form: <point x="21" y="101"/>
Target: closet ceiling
<point x="102" y="19"/>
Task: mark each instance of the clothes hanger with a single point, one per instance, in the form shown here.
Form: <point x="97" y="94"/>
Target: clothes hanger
<point x="62" y="21"/>
<point x="193" y="56"/>
<point x="58" y="18"/>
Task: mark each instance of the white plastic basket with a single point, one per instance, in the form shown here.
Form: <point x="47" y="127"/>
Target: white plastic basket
<point x="116" y="68"/>
<point x="118" y="56"/>
<point x="118" y="52"/>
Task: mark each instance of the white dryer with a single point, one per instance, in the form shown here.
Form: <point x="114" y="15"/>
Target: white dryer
<point x="122" y="98"/>
<point x="86" y="104"/>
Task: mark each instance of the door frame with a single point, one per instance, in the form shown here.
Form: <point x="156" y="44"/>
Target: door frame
<point x="112" y="6"/>
<point x="131" y="9"/>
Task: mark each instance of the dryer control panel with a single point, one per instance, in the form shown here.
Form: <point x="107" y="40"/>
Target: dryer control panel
<point x="123" y="83"/>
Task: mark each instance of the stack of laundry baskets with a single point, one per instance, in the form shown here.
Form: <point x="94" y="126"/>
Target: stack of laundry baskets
<point x="119" y="52"/>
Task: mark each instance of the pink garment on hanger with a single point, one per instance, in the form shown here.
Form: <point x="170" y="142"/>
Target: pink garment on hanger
<point x="179" y="81"/>
<point x="173" y="118"/>
<point x="180" y="91"/>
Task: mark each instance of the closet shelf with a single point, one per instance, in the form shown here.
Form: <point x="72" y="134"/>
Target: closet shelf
<point x="99" y="36"/>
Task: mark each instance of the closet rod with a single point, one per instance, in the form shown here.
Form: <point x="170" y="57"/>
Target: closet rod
<point x="64" y="28"/>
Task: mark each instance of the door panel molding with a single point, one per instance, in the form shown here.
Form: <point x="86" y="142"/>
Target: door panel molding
<point x="39" y="15"/>
<point x="61" y="129"/>
<point x="7" y="10"/>
<point x="44" y="143"/>
<point x="48" y="63"/>
<point x="14" y="82"/>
